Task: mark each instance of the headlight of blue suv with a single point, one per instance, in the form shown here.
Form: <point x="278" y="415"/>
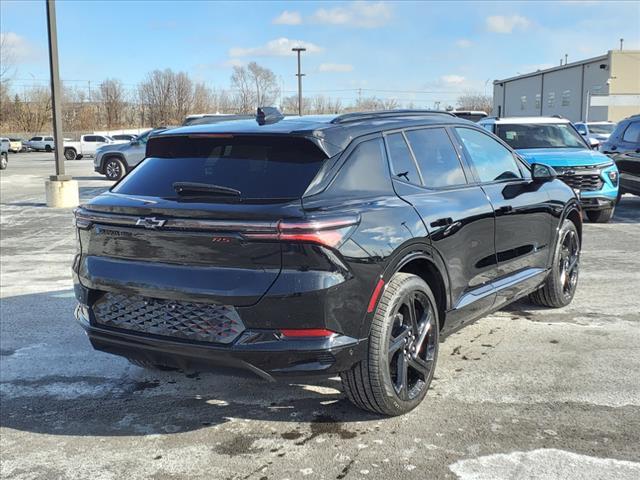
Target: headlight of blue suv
<point x="613" y="176"/>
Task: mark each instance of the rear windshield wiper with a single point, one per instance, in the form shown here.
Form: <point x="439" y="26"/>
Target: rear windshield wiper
<point x="195" y="188"/>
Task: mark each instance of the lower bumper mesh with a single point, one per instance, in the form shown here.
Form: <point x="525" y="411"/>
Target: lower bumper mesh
<point x="190" y="321"/>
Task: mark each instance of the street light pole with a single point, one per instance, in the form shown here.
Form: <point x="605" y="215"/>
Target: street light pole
<point x="61" y="190"/>
<point x="55" y="92"/>
<point x="299" y="50"/>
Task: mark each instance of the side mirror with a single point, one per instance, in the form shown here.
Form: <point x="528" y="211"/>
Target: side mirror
<point x="594" y="144"/>
<point x="542" y="173"/>
<point x="135" y="142"/>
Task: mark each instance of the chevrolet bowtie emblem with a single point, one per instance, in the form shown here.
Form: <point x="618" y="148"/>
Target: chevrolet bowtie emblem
<point x="150" y="222"/>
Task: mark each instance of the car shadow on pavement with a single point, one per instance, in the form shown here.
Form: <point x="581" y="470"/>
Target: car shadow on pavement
<point x="53" y="382"/>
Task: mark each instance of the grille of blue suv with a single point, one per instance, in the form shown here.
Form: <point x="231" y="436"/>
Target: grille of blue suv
<point x="581" y="178"/>
<point x="190" y="321"/>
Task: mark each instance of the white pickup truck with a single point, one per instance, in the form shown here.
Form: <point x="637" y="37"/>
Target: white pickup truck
<point x="86" y="146"/>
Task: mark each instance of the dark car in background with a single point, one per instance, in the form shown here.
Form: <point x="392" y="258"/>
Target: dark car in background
<point x="623" y="146"/>
<point x="321" y="245"/>
<point x="625" y="138"/>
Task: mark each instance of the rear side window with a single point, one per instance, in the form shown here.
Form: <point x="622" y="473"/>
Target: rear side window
<point x="365" y="172"/>
<point x="436" y="157"/>
<point x="632" y="133"/>
<point x="402" y="165"/>
<point x="49" y="139"/>
<point x="260" y="167"/>
<point x="492" y="161"/>
<point x="36" y="139"/>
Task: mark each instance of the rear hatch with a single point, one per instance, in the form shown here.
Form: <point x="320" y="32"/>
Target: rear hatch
<point x="198" y="219"/>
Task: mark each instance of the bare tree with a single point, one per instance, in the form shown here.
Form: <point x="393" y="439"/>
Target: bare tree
<point x="475" y="101"/>
<point x="155" y="95"/>
<point x="255" y="86"/>
<point x="203" y="99"/>
<point x="111" y="99"/>
<point x="33" y="112"/>
<point x="266" y="84"/>
<point x="181" y="96"/>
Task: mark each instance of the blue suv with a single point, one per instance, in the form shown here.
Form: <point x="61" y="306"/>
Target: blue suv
<point x="555" y="142"/>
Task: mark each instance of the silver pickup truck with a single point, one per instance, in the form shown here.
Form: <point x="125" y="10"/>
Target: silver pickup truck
<point x="115" y="160"/>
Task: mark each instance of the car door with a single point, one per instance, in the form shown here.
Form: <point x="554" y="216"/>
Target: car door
<point x="428" y="173"/>
<point x="89" y="145"/>
<point x="524" y="215"/>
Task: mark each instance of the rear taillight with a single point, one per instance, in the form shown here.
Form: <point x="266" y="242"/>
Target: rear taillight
<point x="328" y="231"/>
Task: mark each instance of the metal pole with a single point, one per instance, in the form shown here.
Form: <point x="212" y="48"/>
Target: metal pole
<point x="56" y="96"/>
<point x="299" y="50"/>
<point x="586" y="113"/>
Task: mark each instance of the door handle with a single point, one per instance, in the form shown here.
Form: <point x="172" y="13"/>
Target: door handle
<point x="504" y="210"/>
<point x="442" y="222"/>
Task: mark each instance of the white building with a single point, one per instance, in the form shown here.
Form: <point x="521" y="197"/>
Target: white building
<point x="600" y="88"/>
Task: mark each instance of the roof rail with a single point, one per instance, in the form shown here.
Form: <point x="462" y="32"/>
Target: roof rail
<point x="356" y="116"/>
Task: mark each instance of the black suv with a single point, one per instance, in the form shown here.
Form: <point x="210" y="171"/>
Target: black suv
<point x="624" y="147"/>
<point x="325" y="245"/>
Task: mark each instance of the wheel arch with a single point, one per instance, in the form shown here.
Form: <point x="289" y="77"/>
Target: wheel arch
<point x="107" y="156"/>
<point x="422" y="260"/>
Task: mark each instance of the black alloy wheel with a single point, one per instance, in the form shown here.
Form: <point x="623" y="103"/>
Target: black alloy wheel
<point x="403" y="349"/>
<point x="560" y="285"/>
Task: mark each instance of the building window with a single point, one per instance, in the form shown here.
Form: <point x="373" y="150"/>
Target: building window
<point x="523" y="102"/>
<point x="551" y="99"/>
<point x="538" y="101"/>
<point x="566" y="96"/>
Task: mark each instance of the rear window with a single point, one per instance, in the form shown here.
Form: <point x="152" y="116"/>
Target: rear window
<point x="260" y="167"/>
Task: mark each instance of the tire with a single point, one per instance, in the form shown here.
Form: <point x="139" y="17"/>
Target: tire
<point x="79" y="157"/>
<point x="148" y="365"/>
<point x="113" y="168"/>
<point x="4" y="161"/>
<point x="560" y="285"/>
<point x="377" y="384"/>
<point x="600" y="216"/>
<point x="47" y="148"/>
<point x="70" y="154"/>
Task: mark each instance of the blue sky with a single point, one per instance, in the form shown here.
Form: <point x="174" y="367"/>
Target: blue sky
<point x="419" y="51"/>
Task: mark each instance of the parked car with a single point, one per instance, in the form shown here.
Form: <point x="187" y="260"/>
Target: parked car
<point x="87" y="146"/>
<point x="471" y="115"/>
<point x="4" y="152"/>
<point x="629" y="166"/>
<point x="625" y="138"/>
<point x="114" y="161"/>
<point x="123" y="137"/>
<point x="349" y="244"/>
<point x="41" y="143"/>
<point x="595" y="132"/>
<point x="554" y="141"/>
<point x="15" y="145"/>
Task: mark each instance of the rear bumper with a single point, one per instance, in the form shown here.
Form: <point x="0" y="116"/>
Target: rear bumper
<point x="264" y="353"/>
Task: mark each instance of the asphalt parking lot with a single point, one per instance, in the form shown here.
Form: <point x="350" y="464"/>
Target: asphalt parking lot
<point x="525" y="393"/>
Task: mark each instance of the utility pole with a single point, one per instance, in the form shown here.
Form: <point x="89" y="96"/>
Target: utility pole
<point x="621" y="43"/>
<point x="56" y="96"/>
<point x="299" y="50"/>
<point x="61" y="190"/>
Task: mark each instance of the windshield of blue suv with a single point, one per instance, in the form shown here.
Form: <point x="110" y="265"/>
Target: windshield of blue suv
<point x="540" y="135"/>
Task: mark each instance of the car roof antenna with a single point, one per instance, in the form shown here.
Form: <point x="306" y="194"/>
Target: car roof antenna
<point x="268" y="115"/>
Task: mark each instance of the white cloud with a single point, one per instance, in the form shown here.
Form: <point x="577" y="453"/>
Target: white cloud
<point x="357" y="14"/>
<point x="506" y="24"/>
<point x="452" y="79"/>
<point x="280" y="47"/>
<point x="288" y="18"/>
<point x="464" y="43"/>
<point x="335" y="67"/>
<point x="17" y="49"/>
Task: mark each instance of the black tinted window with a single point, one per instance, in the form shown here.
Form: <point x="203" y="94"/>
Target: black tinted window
<point x="402" y="165"/>
<point x="365" y="171"/>
<point x="632" y="133"/>
<point x="436" y="157"/>
<point x="260" y="167"/>
<point x="491" y="160"/>
<point x="89" y="138"/>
